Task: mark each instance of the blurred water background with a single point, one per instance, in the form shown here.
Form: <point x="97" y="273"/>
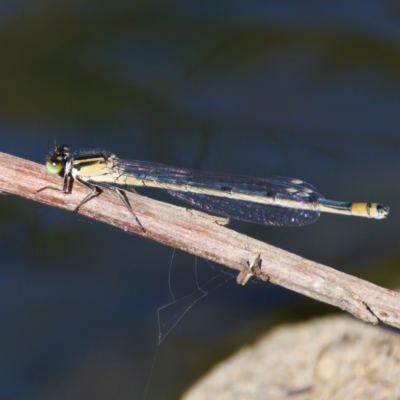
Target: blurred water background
<point x="303" y="89"/>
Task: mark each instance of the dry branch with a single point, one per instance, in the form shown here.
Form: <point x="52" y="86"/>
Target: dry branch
<point x="200" y="234"/>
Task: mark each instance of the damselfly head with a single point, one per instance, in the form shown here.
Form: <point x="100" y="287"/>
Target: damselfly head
<point x="55" y="161"/>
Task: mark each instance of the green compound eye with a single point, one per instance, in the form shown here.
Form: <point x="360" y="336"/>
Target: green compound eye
<point x="54" y="167"/>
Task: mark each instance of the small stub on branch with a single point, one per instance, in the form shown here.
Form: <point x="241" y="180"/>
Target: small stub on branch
<point x="212" y="218"/>
<point x="249" y="270"/>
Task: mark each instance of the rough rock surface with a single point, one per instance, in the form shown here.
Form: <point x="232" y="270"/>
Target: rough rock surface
<point x="328" y="358"/>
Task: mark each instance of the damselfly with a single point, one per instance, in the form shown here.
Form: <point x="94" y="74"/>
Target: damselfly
<point x="274" y="201"/>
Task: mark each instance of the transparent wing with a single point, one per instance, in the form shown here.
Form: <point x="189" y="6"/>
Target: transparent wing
<point x="247" y="211"/>
<point x="168" y="174"/>
<point x="296" y="183"/>
<point x="164" y="175"/>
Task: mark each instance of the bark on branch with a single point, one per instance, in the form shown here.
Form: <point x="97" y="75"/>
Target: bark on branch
<point x="202" y="235"/>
